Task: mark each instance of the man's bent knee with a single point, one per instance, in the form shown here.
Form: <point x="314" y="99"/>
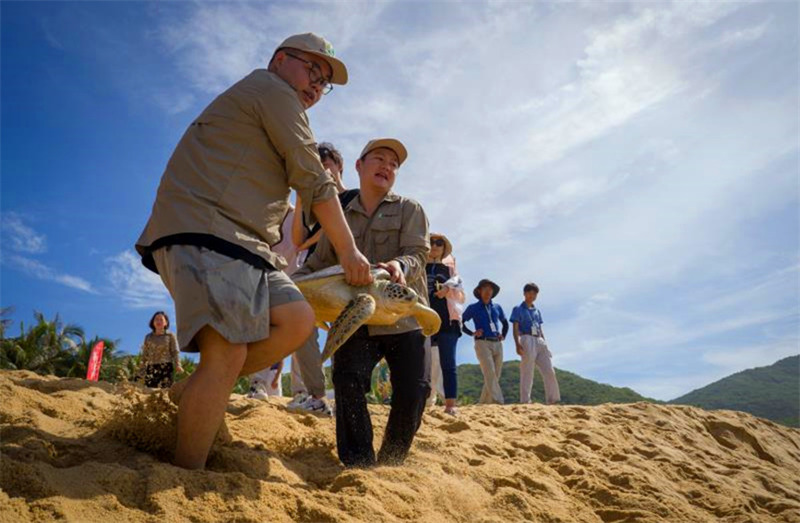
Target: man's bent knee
<point x="297" y="314"/>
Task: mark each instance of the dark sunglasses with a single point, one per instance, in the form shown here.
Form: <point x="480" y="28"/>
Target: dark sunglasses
<point x="438" y="242"/>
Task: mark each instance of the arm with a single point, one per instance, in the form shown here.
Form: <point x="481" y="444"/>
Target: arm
<point x="541" y="330"/>
<point x="299" y="230"/>
<point x="517" y="341"/>
<point x="454" y="289"/>
<point x="277" y="379"/>
<point x="356" y="266"/>
<point x="469" y="315"/>
<point x="286" y="125"/>
<point x="322" y="257"/>
<point x="311" y="241"/>
<point x="175" y="353"/>
<point x="504" y="321"/>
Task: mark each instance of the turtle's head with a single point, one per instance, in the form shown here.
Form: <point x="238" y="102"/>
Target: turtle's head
<point x="399" y="296"/>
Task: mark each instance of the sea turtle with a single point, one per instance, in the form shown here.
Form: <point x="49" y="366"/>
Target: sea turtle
<point x="348" y="308"/>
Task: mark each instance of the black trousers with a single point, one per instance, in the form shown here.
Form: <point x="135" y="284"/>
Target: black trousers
<point x="410" y="370"/>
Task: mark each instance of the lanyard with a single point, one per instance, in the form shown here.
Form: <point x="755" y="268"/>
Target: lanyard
<point x="534" y="323"/>
<point x="489" y="317"/>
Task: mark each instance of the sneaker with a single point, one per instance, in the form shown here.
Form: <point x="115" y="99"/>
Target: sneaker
<point x="258" y="391"/>
<point x="298" y="400"/>
<point x="316" y="406"/>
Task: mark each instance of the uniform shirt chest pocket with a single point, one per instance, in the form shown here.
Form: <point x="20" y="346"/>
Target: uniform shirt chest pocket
<point x="386" y="236"/>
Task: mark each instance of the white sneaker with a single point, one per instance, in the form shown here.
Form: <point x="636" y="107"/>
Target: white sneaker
<point x="299" y="399"/>
<point x="316" y="406"/>
<point x="258" y="391"/>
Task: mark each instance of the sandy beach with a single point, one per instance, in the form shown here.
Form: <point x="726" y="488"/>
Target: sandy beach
<point x="79" y="451"/>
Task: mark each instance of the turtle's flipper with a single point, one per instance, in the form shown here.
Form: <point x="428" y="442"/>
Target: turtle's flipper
<point x="358" y="311"/>
<point x="427" y="318"/>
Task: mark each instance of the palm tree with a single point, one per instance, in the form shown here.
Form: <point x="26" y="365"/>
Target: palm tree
<point x="5" y="345"/>
<point x="128" y="366"/>
<point x="5" y="322"/>
<point x="48" y="347"/>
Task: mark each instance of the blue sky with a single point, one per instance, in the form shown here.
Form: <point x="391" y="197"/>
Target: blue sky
<point x="639" y="161"/>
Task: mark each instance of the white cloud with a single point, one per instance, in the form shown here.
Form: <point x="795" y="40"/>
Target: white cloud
<point x="43" y="272"/>
<point x="20" y="237"/>
<point x="743" y="36"/>
<point x="134" y="284"/>
<point x="217" y="44"/>
<point x="173" y="103"/>
<point x="609" y="152"/>
<point x="20" y="240"/>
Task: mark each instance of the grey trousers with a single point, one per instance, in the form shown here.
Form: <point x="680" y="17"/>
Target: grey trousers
<point x="308" y="361"/>
<point x="490" y="356"/>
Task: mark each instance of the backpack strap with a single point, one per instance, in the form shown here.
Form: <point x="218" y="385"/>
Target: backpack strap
<point x="345" y="197"/>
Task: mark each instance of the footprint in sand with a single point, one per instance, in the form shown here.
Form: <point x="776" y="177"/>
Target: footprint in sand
<point x="457" y="426"/>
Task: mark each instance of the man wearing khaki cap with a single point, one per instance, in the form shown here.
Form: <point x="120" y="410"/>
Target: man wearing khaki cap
<point x="393" y="233"/>
<point x="218" y="211"/>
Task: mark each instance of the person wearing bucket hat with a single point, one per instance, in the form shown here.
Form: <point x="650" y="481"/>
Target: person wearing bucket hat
<point x="486" y="315"/>
<point x="393" y="231"/>
<point x="216" y="216"/>
<point x="446" y="296"/>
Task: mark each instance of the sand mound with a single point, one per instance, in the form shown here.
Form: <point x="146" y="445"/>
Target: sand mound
<point x="79" y="451"/>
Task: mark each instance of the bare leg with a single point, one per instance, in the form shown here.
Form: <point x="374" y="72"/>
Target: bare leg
<point x="450" y="405"/>
<point x="176" y="391"/>
<point x="287" y="323"/>
<point x="290" y="325"/>
<point x="205" y="397"/>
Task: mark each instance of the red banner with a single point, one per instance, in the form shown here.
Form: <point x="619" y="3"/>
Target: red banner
<point x="93" y="372"/>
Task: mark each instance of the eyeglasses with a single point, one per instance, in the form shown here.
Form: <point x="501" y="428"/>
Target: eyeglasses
<point x="314" y="74"/>
<point x="438" y="242"/>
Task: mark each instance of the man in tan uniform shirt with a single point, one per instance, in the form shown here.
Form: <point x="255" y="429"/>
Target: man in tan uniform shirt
<point x="217" y="213"/>
<point x="392" y="231"/>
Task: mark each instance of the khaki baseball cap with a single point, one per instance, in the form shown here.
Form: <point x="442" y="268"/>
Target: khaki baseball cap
<point x="390" y="143"/>
<point x="315" y="44"/>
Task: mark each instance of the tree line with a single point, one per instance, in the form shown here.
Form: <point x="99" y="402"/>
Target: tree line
<point x="63" y="349"/>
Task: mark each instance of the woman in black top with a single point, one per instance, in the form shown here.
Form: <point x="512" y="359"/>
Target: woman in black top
<point x="445" y="292"/>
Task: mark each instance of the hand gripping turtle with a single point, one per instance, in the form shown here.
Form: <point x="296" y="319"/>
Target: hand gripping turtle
<point x="348" y="308"/>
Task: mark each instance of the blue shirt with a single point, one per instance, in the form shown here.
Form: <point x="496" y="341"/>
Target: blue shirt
<point x="530" y="319"/>
<point x="486" y="316"/>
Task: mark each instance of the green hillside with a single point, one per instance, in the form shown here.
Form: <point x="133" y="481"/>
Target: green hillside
<point x="769" y="392"/>
<point x="575" y="390"/>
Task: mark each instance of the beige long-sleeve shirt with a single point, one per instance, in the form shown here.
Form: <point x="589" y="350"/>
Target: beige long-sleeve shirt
<point x="397" y="230"/>
<point x="227" y="185"/>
